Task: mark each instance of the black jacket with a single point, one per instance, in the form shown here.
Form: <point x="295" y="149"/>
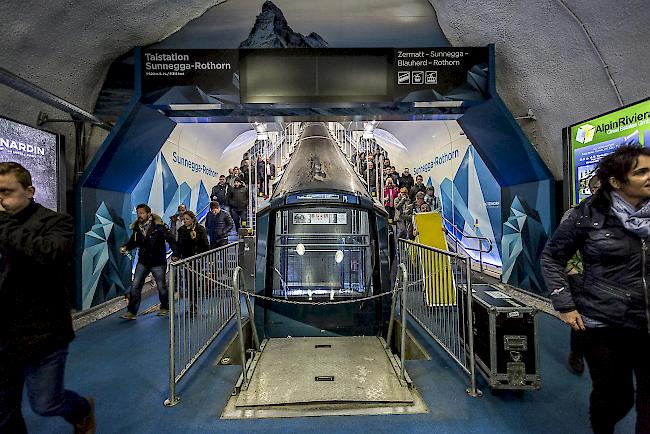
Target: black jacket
<point x="238" y="198"/>
<point x="187" y="246"/>
<point x="218" y="225"/>
<point x="406" y="181"/>
<point x="616" y="268"/>
<point x="417" y="188"/>
<point x="35" y="270"/>
<point x="152" y="250"/>
<point x="219" y="193"/>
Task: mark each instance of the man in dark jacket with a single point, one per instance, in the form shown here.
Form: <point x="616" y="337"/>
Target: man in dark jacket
<point x="218" y="223"/>
<point x="220" y="192"/>
<point x="149" y="236"/>
<point x="418" y="187"/>
<point x="370" y="176"/>
<point x="406" y="180"/>
<point x="35" y="324"/>
<point x="238" y="200"/>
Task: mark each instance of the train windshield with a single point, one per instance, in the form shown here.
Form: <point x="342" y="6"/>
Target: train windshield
<point x="322" y="253"/>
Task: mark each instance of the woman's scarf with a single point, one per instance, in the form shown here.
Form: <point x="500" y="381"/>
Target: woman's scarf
<point x="635" y="221"/>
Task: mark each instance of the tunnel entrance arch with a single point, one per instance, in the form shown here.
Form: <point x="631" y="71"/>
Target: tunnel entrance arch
<point x="164" y="101"/>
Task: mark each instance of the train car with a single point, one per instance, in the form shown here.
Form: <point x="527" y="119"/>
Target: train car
<point x="322" y="238"/>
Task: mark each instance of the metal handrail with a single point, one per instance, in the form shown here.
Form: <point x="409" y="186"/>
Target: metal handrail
<point x="472" y="237"/>
<point x="240" y="331"/>
<point x="467" y="248"/>
<point x="203" y="284"/>
<point x="445" y="316"/>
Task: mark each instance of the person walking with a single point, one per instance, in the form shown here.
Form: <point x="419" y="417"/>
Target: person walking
<point x="219" y="224"/>
<point x="220" y="192"/>
<point x="35" y="326"/>
<point x="176" y="221"/>
<point x="403" y="214"/>
<point x="406" y="180"/>
<point x="149" y="236"/>
<point x="611" y="229"/>
<point x="417" y="187"/>
<point x="390" y="194"/>
<point x="192" y="238"/>
<point x="238" y="200"/>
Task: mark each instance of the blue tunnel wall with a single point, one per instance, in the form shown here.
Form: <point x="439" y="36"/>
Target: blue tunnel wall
<point x="105" y="208"/>
<point x="527" y="190"/>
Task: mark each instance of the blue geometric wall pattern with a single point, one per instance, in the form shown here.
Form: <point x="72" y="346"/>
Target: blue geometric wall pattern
<point x="523" y="241"/>
<point x="160" y="189"/>
<point x="100" y="269"/>
<point x="491" y="192"/>
<point x="473" y="184"/>
<point x="204" y="198"/>
<point x="169" y="182"/>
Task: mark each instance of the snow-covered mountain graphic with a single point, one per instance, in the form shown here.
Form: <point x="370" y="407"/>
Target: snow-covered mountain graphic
<point x="271" y="30"/>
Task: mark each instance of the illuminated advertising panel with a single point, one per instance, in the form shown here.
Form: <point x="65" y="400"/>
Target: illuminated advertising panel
<point x="595" y="138"/>
<point x="36" y="150"/>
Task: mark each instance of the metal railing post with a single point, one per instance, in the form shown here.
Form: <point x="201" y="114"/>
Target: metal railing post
<point x="404" y="314"/>
<point x="173" y="398"/>
<point x="251" y="319"/>
<point x="240" y="330"/>
<point x="472" y="391"/>
<point x="391" y="320"/>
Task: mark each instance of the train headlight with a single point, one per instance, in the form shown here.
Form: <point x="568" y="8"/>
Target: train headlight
<point x="338" y="256"/>
<point x="300" y="249"/>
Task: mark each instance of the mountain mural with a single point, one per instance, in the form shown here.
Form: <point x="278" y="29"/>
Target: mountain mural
<point x="271" y="30"/>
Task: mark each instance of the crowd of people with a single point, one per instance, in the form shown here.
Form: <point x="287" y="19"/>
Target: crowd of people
<point x="403" y="196"/>
<point x="232" y="191"/>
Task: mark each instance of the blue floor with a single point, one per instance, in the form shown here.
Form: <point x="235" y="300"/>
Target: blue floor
<point x="123" y="365"/>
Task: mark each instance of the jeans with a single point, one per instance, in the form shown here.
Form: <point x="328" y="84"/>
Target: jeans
<point x="617" y="356"/>
<point x="135" y="295"/>
<point x="45" y="390"/>
<point x="237" y="215"/>
<point x="218" y="242"/>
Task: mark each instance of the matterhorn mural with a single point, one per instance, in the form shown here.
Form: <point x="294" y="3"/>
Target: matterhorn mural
<point x="271" y="30"/>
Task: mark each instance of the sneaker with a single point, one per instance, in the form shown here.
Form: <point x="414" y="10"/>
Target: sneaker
<point x="162" y="312"/>
<point x="576" y="363"/>
<point x="128" y="315"/>
<point x="88" y="424"/>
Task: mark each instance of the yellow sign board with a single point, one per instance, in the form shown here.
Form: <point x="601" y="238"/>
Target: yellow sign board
<point x="436" y="268"/>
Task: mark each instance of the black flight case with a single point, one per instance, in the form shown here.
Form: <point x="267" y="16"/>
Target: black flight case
<point x="506" y="342"/>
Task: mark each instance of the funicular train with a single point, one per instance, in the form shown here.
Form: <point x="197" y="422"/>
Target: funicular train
<point x="322" y="239"/>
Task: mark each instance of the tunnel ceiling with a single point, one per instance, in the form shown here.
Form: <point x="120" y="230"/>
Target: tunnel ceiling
<point x="552" y="56"/>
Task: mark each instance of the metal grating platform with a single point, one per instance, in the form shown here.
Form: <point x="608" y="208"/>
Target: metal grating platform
<point x="318" y="376"/>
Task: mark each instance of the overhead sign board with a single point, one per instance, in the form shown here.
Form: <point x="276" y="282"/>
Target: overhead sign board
<point x="433" y="74"/>
<point x="213" y="71"/>
<point x="314" y="75"/>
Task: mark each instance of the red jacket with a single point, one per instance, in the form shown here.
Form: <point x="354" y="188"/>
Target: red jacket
<point x="390" y="194"/>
